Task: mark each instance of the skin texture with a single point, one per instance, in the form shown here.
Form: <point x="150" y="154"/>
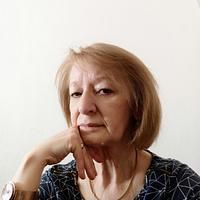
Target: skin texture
<point x="98" y="106"/>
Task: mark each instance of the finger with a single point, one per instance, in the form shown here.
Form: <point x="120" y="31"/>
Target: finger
<point x="79" y="157"/>
<point x="89" y="165"/>
<point x="83" y="159"/>
<point x="76" y="149"/>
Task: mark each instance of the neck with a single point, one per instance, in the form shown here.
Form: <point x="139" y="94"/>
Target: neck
<point x="115" y="161"/>
<point x="112" y="179"/>
<point x="121" y="174"/>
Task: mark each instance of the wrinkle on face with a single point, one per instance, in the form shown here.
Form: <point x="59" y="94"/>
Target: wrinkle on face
<point x="111" y="110"/>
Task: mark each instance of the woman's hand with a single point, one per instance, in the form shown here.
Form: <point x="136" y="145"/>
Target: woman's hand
<point x="56" y="148"/>
<point x="52" y="151"/>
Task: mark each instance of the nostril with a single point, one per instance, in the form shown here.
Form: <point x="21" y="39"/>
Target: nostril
<point x="87" y="109"/>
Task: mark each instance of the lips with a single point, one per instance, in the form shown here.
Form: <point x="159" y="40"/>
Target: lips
<point x="90" y="126"/>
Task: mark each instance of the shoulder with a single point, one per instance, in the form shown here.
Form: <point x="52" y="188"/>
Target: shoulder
<point x="59" y="182"/>
<point x="174" y="168"/>
<point x="171" y="178"/>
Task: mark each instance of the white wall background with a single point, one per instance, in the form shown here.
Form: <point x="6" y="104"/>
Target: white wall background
<point x="35" y="36"/>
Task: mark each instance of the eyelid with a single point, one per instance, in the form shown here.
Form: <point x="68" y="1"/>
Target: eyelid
<point x="106" y="91"/>
<point x="75" y="94"/>
<point x="99" y="91"/>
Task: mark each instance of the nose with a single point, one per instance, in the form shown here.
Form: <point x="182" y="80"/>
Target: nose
<point x="87" y="104"/>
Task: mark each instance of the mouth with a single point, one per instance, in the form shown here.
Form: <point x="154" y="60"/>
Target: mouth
<point x="90" y="127"/>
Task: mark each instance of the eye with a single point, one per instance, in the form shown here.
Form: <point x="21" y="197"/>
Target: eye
<point x="75" y="94"/>
<point x="105" y="91"/>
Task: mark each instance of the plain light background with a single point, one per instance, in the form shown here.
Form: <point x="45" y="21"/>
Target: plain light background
<point x="35" y="37"/>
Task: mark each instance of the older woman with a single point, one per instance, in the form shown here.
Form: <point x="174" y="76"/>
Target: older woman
<point x="113" y="111"/>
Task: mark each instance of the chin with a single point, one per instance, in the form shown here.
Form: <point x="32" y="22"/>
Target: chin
<point x="94" y="139"/>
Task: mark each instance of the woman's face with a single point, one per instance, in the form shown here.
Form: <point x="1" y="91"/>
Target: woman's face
<point x="98" y="105"/>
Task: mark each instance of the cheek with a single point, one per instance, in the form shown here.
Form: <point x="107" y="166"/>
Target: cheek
<point x="117" y="119"/>
<point x="122" y="118"/>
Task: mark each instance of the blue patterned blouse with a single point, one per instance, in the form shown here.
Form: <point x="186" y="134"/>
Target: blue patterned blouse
<point x="166" y="179"/>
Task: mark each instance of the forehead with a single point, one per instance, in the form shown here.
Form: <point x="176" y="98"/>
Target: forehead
<point x="81" y="74"/>
<point x="91" y="72"/>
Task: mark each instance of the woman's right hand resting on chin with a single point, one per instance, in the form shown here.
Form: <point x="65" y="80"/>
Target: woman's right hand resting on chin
<point x="52" y="151"/>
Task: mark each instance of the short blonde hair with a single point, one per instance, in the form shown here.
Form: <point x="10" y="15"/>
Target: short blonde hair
<point x="144" y="101"/>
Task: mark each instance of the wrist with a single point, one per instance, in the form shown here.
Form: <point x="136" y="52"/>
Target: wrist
<point x="10" y="192"/>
